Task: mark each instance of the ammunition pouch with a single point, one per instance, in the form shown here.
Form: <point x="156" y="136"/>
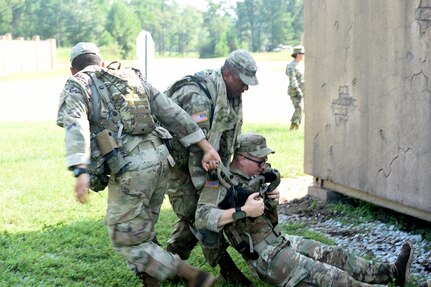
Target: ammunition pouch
<point x="98" y="182"/>
<point x="97" y="168"/>
<point x="110" y="151"/>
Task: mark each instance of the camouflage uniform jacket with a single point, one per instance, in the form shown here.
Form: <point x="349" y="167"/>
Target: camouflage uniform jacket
<point x="259" y="230"/>
<point x="219" y="117"/>
<point x="295" y="72"/>
<point x="75" y="114"/>
<point x="208" y="213"/>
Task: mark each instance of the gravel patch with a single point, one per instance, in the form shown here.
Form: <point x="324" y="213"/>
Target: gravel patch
<point x="374" y="239"/>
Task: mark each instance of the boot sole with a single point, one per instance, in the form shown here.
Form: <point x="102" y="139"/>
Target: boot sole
<point x="409" y="263"/>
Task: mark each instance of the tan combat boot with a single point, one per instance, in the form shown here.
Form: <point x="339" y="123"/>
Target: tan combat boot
<point x="147" y="280"/>
<point x="403" y="263"/>
<point x="294" y="126"/>
<point x="194" y="277"/>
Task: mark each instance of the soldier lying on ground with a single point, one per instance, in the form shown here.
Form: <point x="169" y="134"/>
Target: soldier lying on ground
<point x="243" y="206"/>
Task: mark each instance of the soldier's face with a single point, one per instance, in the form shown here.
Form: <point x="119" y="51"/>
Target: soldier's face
<point x="253" y="165"/>
<point x="300" y="57"/>
<point x="234" y="85"/>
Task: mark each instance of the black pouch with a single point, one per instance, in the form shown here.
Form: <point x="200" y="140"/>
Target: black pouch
<point x="110" y="151"/>
<point x="244" y="248"/>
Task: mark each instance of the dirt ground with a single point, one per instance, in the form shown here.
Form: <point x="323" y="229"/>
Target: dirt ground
<point x="295" y="202"/>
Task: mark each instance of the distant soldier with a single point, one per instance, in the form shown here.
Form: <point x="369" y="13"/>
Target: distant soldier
<point x="112" y="138"/>
<point x="243" y="204"/>
<point x="213" y="98"/>
<point x="295" y="72"/>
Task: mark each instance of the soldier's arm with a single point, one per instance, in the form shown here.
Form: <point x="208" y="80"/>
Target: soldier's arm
<point x="76" y="126"/>
<point x="293" y="81"/>
<point x="173" y="117"/>
<point x="179" y="121"/>
<point x="73" y="116"/>
<point x="253" y="207"/>
<point x="207" y="211"/>
<point x="210" y="216"/>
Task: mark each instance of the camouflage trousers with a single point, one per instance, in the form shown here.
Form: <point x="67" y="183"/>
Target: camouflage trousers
<point x="296" y="99"/>
<point x="134" y="202"/>
<point x="184" y="197"/>
<point x="296" y="261"/>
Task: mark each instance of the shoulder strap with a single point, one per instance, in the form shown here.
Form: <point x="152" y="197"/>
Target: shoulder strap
<point x="99" y="88"/>
<point x="95" y="117"/>
<point x="207" y="93"/>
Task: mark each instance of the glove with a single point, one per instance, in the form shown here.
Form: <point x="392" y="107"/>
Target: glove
<point x="271" y="175"/>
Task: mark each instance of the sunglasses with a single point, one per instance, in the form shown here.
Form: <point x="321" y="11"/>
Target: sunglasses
<point x="259" y="163"/>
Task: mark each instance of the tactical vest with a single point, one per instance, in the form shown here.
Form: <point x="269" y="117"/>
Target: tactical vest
<point x="126" y="98"/>
<point x="119" y="105"/>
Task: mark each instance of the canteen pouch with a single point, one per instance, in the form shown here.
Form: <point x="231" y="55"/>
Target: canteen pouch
<point x="110" y="151"/>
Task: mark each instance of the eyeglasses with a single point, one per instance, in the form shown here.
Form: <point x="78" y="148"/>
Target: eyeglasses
<point x="261" y="163"/>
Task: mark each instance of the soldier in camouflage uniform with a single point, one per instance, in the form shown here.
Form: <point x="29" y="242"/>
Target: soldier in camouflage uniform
<point x="135" y="193"/>
<point x="213" y="98"/>
<point x="295" y="72"/>
<point x="274" y="257"/>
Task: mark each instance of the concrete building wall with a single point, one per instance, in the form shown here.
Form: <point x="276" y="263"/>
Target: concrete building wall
<point x="368" y="100"/>
<point x="19" y="55"/>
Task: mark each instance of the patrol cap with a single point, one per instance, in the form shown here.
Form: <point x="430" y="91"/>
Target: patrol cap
<point x="298" y="50"/>
<point x="254" y="144"/>
<point x="83" y="48"/>
<point x="245" y="64"/>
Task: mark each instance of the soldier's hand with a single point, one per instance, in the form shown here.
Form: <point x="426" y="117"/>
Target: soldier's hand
<point x="210" y="157"/>
<point x="254" y="206"/>
<point x="210" y="160"/>
<point x="81" y="187"/>
<point x="274" y="195"/>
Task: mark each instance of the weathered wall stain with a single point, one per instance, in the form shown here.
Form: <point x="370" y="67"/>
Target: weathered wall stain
<point x="343" y="106"/>
<point x="423" y="15"/>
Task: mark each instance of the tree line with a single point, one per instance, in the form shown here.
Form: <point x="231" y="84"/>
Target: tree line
<point x="255" y="25"/>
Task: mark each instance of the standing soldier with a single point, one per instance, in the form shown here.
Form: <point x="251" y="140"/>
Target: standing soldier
<point x="213" y="98"/>
<point x="295" y="72"/>
<point x="108" y="117"/>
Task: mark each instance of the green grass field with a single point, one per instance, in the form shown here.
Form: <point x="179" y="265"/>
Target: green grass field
<point x="48" y="239"/>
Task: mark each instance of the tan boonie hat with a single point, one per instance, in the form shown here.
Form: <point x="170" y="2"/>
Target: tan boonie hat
<point x="83" y="48"/>
<point x="298" y="50"/>
<point x="253" y="144"/>
<point x="245" y="64"/>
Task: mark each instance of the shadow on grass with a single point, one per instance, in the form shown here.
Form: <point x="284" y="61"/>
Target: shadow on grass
<point x="79" y="254"/>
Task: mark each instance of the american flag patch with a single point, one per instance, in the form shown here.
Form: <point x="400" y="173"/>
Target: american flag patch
<point x="199" y="118"/>
<point x="212" y="184"/>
